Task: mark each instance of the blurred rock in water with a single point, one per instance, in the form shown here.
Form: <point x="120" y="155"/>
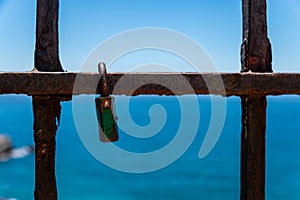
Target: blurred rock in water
<point x="7" y="151"/>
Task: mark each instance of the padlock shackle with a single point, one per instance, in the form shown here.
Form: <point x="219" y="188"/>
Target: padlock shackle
<point x="103" y="84"/>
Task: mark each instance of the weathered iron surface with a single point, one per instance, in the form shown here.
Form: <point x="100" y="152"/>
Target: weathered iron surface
<point x="46" y="55"/>
<point x="253" y="147"/>
<point x="256" y="53"/>
<point x="46" y="114"/>
<point x="46" y="108"/>
<point x="62" y="83"/>
<point x="256" y="56"/>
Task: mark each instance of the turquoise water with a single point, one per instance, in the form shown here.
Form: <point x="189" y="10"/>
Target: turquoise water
<point x="81" y="176"/>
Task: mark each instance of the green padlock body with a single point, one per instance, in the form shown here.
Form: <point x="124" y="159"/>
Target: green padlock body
<point x="107" y="125"/>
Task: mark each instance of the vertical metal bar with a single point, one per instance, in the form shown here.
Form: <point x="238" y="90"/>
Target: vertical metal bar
<point x="46" y="112"/>
<point x="256" y="56"/>
<point x="46" y="109"/>
<point x="46" y="55"/>
<point x="253" y="148"/>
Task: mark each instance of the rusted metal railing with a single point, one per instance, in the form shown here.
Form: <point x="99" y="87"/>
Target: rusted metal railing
<point x="235" y="84"/>
<point x="253" y="84"/>
<point x="46" y="109"/>
<point x="256" y="57"/>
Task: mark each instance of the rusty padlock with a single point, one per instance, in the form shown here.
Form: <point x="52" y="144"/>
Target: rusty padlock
<point x="105" y="107"/>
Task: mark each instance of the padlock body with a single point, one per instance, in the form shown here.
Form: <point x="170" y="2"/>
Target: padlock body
<point x="108" y="129"/>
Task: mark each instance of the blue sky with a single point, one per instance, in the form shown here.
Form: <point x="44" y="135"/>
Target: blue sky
<point x="214" y="24"/>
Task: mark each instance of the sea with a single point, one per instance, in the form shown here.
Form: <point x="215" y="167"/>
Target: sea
<point x="81" y="175"/>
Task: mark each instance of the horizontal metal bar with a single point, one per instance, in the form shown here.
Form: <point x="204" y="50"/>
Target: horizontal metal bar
<point x="66" y="83"/>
